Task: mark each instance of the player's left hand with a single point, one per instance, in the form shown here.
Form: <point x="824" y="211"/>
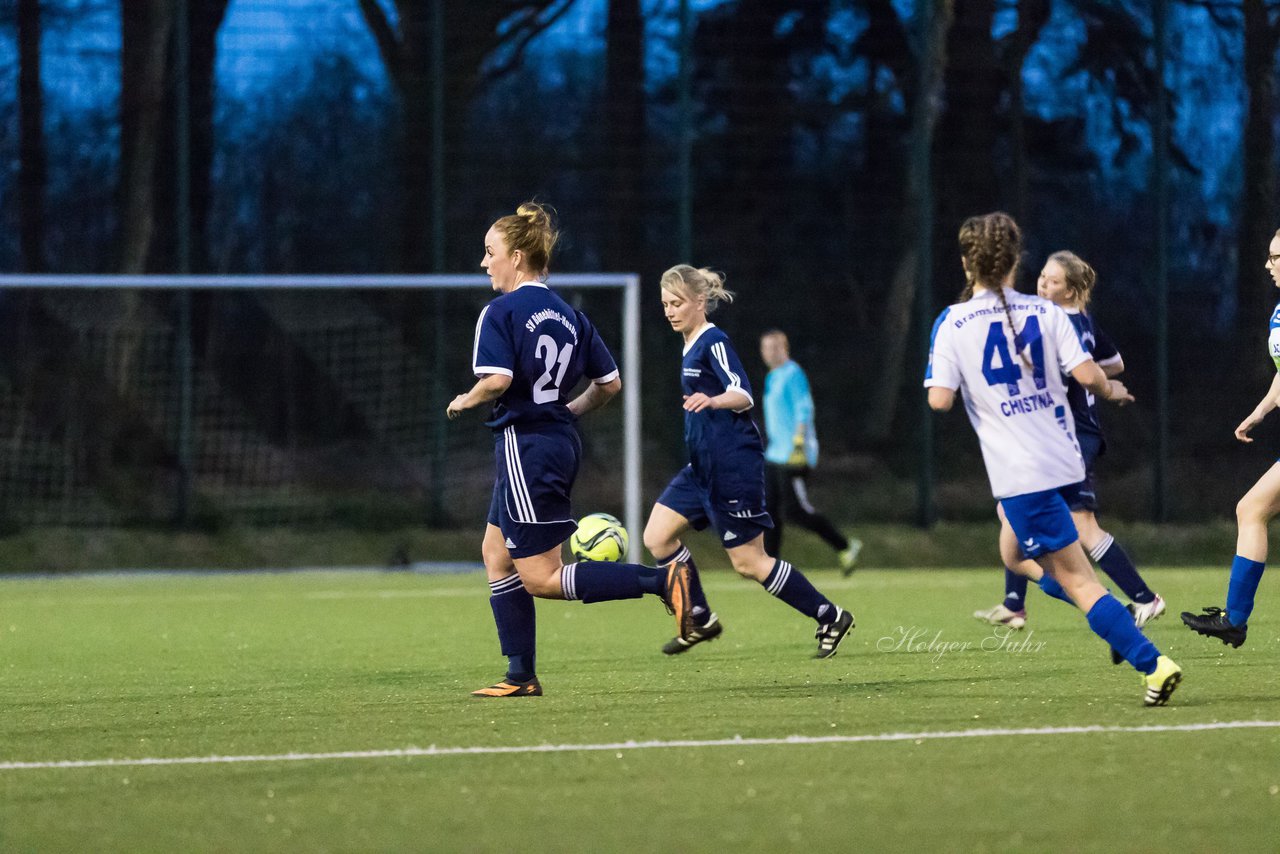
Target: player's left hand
<point x="456" y="407"/>
<point x="697" y="402"/>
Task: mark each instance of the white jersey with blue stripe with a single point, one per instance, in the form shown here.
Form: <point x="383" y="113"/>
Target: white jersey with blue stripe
<point x="1273" y="336"/>
<point x="1018" y="408"/>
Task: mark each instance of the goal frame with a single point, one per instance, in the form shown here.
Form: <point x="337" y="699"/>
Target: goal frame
<point x="628" y="283"/>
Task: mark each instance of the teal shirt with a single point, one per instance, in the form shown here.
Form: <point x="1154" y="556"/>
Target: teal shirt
<point x="787" y="404"/>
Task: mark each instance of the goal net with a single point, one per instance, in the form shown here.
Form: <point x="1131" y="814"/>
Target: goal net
<point x="273" y="400"/>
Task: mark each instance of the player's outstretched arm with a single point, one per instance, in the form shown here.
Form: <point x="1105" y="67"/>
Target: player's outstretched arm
<point x="1268" y="403"/>
<point x="594" y="396"/>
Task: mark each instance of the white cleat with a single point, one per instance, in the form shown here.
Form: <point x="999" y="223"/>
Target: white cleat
<point x="1145" y="613"/>
<point x="1002" y="616"/>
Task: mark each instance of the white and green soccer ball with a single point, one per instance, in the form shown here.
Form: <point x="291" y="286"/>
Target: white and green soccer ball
<point x="599" y="537"/>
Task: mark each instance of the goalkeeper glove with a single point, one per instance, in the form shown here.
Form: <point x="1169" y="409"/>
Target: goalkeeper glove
<point x="798" y="457"/>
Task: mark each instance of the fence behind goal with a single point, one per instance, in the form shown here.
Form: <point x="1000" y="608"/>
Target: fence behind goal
<point x="273" y="400"/>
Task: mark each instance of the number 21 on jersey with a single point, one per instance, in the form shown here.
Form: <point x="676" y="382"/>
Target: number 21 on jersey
<point x="1000" y="368"/>
<point x="547" y="388"/>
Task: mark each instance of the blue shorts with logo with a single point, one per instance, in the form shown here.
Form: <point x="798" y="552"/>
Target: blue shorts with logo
<point x="1042" y="520"/>
<point x="737" y="521"/>
<point x="536" y="468"/>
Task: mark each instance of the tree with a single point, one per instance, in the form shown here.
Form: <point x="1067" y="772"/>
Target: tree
<point x="483" y="39"/>
<point x="32" y="156"/>
<point x="145" y="28"/>
<point x="1258" y="213"/>
<point x="910" y="281"/>
<point x="624" y="123"/>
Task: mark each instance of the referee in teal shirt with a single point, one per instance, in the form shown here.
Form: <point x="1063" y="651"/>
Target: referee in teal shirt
<point x="792" y="451"/>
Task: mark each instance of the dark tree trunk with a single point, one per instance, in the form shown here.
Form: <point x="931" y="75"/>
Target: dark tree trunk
<point x="470" y="36"/>
<point x="204" y="20"/>
<point x="145" y="28"/>
<point x="1257" y="220"/>
<point x="1032" y="16"/>
<point x="32" y="158"/>
<point x="624" y="122"/>
<point x="970" y="126"/>
<point x="910" y="282"/>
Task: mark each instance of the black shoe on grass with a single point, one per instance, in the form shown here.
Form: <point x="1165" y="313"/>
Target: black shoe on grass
<point x="710" y="631"/>
<point x="1214" y="623"/>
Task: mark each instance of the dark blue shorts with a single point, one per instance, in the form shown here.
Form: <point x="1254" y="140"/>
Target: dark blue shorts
<point x="1083" y="495"/>
<point x="1041" y="520"/>
<point x="737" y="521"/>
<point x="536" y="469"/>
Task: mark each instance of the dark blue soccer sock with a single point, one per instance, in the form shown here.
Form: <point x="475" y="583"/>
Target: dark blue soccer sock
<point x="1015" y="591"/>
<point x="1051" y="587"/>
<point x="1115" y="563"/>
<point x="789" y="584"/>
<point x="513" y="611"/>
<point x="605" y="581"/>
<point x="696" y="596"/>
<point x="1112" y="622"/>
<point x="1245" y="577"/>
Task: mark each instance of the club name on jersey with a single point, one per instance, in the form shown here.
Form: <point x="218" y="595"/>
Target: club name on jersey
<point x="987" y="312"/>
<point x="550" y="314"/>
<point x="691" y="372"/>
<point x="1027" y="403"/>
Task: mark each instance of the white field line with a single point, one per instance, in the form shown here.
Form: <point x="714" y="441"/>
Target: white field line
<point x="479" y="589"/>
<point x="736" y="741"/>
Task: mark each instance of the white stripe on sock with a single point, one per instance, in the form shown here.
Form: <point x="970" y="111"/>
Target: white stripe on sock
<point x="780" y="580"/>
<point x="1101" y="548"/>
<point x="569" y="581"/>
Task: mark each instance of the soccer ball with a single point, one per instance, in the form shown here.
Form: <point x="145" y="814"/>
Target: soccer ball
<point x="599" y="537"/>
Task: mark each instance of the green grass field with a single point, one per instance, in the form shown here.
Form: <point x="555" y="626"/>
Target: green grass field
<point x="241" y="665"/>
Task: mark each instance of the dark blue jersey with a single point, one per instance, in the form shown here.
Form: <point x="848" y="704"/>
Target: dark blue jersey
<point x="545" y="346"/>
<point x="725" y="449"/>
<point x="1083" y="406"/>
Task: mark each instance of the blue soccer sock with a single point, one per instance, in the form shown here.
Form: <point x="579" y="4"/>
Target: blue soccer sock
<point x="789" y="584"/>
<point x="1015" y="591"/>
<point x="1245" y="577"/>
<point x="696" y="596"/>
<point x="1112" y="622"/>
<point x="1115" y="563"/>
<point x="1050" y="587"/>
<point x="514" y="613"/>
<point x="606" y="581"/>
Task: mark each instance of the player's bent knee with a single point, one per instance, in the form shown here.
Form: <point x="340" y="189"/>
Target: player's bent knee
<point x="1251" y="509"/>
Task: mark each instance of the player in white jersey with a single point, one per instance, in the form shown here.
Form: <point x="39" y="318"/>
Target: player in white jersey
<point x="1258" y="507"/>
<point x="1068" y="281"/>
<point x="1006" y="353"/>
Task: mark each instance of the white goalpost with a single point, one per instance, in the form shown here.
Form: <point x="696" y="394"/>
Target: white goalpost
<point x="269" y="398"/>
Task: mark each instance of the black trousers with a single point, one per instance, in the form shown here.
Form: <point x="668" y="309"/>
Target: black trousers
<point x="787" y="497"/>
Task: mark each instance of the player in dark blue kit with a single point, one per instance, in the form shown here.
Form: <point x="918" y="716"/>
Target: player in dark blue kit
<point x="531" y="350"/>
<point x="723" y="483"/>
<point x="1068" y="281"/>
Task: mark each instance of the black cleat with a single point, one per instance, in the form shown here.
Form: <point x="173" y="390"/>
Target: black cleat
<point x="710" y="631"/>
<point x="1214" y="623"/>
<point x="830" y="634"/>
<point x="675" y="595"/>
